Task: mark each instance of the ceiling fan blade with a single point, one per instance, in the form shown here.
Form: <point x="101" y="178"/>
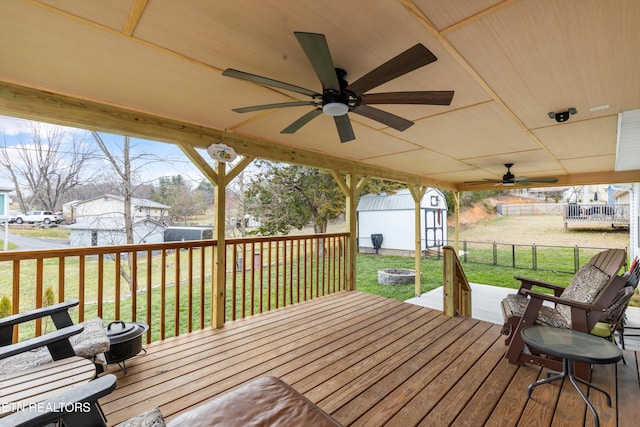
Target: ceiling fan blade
<point x="391" y="120"/>
<point x="293" y="127"/>
<point x="344" y="128"/>
<point x="317" y="50"/>
<point x="430" y="97"/>
<point x="271" y="106"/>
<point x="229" y="72"/>
<point x="409" y="60"/>
<point x="524" y="179"/>
<point x="484" y="181"/>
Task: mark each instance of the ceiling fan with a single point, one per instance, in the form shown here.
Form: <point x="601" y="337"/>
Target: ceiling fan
<point x="338" y="97"/>
<point x="509" y="179"/>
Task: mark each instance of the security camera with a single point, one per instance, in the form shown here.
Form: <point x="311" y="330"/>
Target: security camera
<point x="564" y="116"/>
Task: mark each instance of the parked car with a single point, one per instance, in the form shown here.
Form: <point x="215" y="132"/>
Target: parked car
<point x="60" y="217"/>
<point x="31" y="217"/>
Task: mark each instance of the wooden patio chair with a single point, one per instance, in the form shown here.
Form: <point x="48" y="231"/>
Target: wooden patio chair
<point x="613" y="317"/>
<point x="91" y="340"/>
<point x="608" y="262"/>
<point x="614" y="320"/>
<point x="568" y="313"/>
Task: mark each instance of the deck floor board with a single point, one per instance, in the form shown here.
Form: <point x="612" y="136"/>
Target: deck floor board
<point x="368" y="361"/>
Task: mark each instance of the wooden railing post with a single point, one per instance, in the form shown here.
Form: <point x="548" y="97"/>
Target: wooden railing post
<point x="456" y="289"/>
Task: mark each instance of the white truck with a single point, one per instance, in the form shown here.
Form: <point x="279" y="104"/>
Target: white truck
<point x="31" y="217"/>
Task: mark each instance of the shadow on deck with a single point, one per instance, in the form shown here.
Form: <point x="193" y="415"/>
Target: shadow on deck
<point x="369" y="361"/>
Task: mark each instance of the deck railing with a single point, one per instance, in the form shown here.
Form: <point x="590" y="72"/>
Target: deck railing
<point x="457" y="291"/>
<point x="170" y="287"/>
<point x="617" y="215"/>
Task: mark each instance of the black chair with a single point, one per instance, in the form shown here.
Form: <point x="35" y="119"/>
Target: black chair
<point x="91" y="341"/>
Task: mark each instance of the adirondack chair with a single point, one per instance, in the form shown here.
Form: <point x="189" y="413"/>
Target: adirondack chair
<point x="91" y="341"/>
<point x="607" y="262"/>
<point x="613" y="320"/>
<point x="580" y="316"/>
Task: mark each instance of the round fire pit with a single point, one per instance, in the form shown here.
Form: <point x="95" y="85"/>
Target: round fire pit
<point x="126" y="341"/>
<point x="396" y="276"/>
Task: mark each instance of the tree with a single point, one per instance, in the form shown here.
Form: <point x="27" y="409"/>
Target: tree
<point x="291" y="196"/>
<point x="124" y="166"/>
<point x="175" y="192"/>
<point x="207" y="190"/>
<point x="44" y="169"/>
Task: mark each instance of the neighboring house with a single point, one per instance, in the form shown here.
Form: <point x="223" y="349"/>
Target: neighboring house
<point x="629" y="194"/>
<point x="110" y="206"/>
<point x="99" y="231"/>
<point x="393" y="216"/>
<point x="4" y="202"/>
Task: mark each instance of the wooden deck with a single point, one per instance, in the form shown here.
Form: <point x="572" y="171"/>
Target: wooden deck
<point x="369" y="361"/>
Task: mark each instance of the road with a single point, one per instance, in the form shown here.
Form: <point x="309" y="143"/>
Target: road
<point x="32" y="243"/>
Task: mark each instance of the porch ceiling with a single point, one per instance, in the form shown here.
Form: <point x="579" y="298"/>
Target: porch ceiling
<point x="510" y="63"/>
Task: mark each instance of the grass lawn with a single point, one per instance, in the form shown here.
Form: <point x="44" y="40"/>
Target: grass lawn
<point x="367" y="267"/>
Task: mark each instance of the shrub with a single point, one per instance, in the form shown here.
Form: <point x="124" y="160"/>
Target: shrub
<point x="5" y="306"/>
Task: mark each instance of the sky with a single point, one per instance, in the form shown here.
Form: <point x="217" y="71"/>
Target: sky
<point x="15" y="131"/>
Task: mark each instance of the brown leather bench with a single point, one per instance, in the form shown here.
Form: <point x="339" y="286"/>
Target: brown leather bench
<point x="266" y="401"/>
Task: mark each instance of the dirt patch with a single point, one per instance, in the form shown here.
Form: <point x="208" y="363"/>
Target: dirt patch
<point x="485" y="210"/>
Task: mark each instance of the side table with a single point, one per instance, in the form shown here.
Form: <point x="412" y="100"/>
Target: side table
<point x="571" y="346"/>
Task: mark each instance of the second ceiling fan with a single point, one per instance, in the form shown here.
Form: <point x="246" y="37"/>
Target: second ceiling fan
<point x="509" y="179"/>
<point x="338" y="97"/>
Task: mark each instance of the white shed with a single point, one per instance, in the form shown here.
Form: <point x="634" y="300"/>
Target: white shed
<point x="110" y="231"/>
<point x="393" y="216"/>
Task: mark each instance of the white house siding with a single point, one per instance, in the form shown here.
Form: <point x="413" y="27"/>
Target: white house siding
<point x="94" y="234"/>
<point x="396" y="228"/>
<point x="109" y="206"/>
<point x="393" y="216"/>
<point x="634" y="226"/>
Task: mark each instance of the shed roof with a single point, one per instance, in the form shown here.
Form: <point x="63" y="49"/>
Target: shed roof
<point x="401" y="200"/>
<point x="107" y="223"/>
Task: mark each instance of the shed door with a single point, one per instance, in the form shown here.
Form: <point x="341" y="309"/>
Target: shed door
<point x="434" y="228"/>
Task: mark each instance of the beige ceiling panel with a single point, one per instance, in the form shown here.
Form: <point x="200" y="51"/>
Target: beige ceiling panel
<point x="580" y="139"/>
<point x="444" y="14"/>
<point x="112" y="13"/>
<point x="546" y="55"/>
<point x="320" y="135"/>
<point x="267" y="46"/>
<point x="94" y="64"/>
<point x="423" y="162"/>
<point x="601" y="163"/>
<point x="464" y="133"/>
<point x="532" y="163"/>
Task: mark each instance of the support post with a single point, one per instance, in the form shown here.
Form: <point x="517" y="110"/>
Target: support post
<point x="417" y="192"/>
<point x="219" y="251"/>
<point x="456" y="200"/>
<point x="351" y="190"/>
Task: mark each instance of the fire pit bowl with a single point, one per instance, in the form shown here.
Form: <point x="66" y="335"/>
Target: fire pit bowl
<point x="126" y="341"/>
<point x="396" y="276"/>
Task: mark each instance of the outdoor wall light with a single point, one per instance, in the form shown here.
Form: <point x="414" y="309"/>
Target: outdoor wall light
<point x="563" y="116"/>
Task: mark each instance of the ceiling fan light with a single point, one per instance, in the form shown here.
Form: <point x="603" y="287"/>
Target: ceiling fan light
<point x="508" y="184"/>
<point x="335" y="109"/>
